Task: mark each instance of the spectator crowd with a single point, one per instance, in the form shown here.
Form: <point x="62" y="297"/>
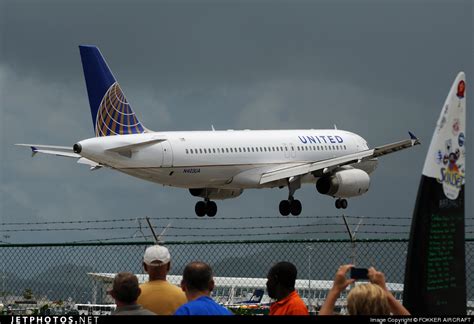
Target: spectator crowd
<point x="193" y="297"/>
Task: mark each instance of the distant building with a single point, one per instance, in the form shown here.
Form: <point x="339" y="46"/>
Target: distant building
<point x="235" y="290"/>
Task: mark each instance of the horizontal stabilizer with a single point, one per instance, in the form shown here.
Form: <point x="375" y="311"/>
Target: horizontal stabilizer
<point x="63" y="151"/>
<point x="52" y="150"/>
<point x="126" y="150"/>
<point x="92" y="164"/>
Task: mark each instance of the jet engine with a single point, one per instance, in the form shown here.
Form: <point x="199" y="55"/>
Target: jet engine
<point x="345" y="183"/>
<point x="213" y="193"/>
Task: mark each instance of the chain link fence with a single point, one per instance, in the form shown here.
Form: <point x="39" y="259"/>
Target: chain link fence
<point x="33" y="276"/>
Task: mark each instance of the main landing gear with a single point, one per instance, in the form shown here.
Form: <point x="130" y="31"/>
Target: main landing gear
<point x="341" y="203"/>
<point x="291" y="205"/>
<point x="206" y="207"/>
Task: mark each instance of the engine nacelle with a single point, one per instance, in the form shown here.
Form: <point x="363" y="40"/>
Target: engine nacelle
<point x="344" y="184"/>
<point x="213" y="193"/>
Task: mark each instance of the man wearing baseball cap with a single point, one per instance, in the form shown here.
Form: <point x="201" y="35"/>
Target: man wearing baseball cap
<point x="158" y="295"/>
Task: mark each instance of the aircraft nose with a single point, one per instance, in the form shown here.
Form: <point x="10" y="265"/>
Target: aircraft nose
<point x="77" y="148"/>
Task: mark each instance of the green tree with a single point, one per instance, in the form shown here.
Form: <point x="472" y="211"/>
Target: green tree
<point x="28" y="293"/>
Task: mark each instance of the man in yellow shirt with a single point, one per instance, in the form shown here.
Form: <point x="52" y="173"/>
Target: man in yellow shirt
<point x="158" y="295"/>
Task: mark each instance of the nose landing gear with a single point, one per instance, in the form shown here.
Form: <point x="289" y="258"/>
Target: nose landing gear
<point x="341" y="203"/>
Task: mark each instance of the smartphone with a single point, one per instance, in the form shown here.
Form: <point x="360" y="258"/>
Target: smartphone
<point x="359" y="273"/>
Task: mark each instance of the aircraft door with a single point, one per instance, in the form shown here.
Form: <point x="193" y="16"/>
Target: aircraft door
<point x="287" y="151"/>
<point x="167" y="154"/>
<point x="292" y="150"/>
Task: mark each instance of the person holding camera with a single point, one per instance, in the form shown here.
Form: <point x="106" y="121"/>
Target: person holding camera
<point x="365" y="299"/>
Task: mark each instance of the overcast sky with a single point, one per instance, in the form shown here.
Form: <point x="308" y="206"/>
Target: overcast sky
<point x="377" y="68"/>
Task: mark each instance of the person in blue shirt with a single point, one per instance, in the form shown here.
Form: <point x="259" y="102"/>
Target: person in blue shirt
<point x="197" y="284"/>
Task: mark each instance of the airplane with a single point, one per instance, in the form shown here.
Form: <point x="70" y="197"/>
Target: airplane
<point x="217" y="165"/>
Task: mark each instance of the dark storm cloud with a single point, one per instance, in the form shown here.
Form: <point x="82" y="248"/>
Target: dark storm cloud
<point x="211" y="42"/>
<point x="378" y="68"/>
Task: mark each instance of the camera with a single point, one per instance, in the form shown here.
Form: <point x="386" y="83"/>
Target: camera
<point x="359" y="273"/>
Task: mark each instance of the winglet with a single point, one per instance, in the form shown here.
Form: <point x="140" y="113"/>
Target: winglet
<point x="414" y="139"/>
<point x="34" y="150"/>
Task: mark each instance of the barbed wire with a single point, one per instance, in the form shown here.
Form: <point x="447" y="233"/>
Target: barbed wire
<point x="238" y="235"/>
<point x="140" y="228"/>
<point x="199" y="219"/>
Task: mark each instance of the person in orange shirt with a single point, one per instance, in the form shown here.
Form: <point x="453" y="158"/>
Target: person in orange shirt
<point x="281" y="286"/>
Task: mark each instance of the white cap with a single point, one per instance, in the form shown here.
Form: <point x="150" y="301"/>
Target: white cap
<point x="156" y="253"/>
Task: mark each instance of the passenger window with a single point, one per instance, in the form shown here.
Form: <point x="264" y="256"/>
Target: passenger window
<point x="191" y="151"/>
<point x="205" y="151"/>
<point x="286" y="148"/>
<point x="187" y="151"/>
<point x="273" y="148"/>
<point x="200" y="151"/>
<point x="227" y="150"/>
<point x="240" y="150"/>
<point x="248" y="149"/>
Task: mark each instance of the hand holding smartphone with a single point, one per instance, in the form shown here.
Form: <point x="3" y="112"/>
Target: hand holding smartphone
<point x="359" y="273"/>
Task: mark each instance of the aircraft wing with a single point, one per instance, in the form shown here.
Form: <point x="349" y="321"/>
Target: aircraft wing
<point x="328" y="165"/>
<point x="63" y="151"/>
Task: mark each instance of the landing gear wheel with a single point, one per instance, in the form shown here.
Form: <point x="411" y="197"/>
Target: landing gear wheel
<point x="295" y="207"/>
<point x="200" y="208"/>
<point x="211" y="209"/>
<point x="343" y="203"/>
<point x="338" y="203"/>
<point x="284" y="207"/>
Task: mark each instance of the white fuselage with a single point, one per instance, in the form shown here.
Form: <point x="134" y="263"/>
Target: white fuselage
<point x="222" y="159"/>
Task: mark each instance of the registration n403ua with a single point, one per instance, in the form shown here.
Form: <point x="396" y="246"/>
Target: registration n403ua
<point x="215" y="165"/>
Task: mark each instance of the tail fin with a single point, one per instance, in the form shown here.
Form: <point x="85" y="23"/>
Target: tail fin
<point x="111" y="113"/>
